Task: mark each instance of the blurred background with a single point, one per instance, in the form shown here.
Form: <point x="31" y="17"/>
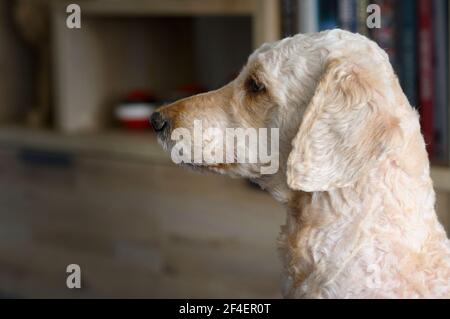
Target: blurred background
<point x="82" y="179"/>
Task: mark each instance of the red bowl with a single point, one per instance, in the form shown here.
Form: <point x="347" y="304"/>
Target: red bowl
<point x="134" y="116"/>
<point x="139" y="124"/>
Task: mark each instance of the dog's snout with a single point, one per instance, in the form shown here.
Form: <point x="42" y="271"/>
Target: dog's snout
<point x="158" y="122"/>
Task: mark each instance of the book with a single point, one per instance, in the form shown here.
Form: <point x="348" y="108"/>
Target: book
<point x="308" y="16"/>
<point x="361" y="11"/>
<point x="440" y="112"/>
<point x="386" y="35"/>
<point x="407" y="48"/>
<point x="347" y="15"/>
<point x="328" y="14"/>
<point x="448" y="84"/>
<point x="415" y="34"/>
<point x="289" y="24"/>
<point x="426" y="82"/>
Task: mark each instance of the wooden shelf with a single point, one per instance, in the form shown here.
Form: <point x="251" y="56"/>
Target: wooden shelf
<point x="265" y="13"/>
<point x="168" y="7"/>
<point x="123" y="144"/>
<point x="133" y="146"/>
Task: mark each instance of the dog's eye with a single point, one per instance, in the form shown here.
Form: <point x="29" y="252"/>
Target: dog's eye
<point x="254" y="86"/>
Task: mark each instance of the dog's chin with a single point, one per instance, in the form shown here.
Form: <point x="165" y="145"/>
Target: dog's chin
<point x="163" y="141"/>
<point x="220" y="168"/>
<point x="223" y="169"/>
<point x="229" y="169"/>
<point x="232" y="170"/>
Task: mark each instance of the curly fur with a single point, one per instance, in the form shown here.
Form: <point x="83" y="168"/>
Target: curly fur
<point x="355" y="174"/>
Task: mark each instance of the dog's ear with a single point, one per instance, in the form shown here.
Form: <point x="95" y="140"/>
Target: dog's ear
<point x="346" y="128"/>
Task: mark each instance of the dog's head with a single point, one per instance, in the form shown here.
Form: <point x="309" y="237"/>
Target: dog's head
<point x="332" y="95"/>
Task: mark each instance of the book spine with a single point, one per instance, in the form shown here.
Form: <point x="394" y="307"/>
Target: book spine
<point x="308" y="16"/>
<point x="328" y="14"/>
<point x="448" y="84"/>
<point x="347" y="15"/>
<point x="385" y="36"/>
<point x="362" y="17"/>
<point x="406" y="39"/>
<point x="289" y="10"/>
<point x="426" y="88"/>
<point x="441" y="81"/>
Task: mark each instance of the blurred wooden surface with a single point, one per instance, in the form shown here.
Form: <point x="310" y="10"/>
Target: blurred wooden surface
<point x="136" y="224"/>
<point x="136" y="229"/>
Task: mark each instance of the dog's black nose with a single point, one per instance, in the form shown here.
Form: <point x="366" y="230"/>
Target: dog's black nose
<point x="158" y="122"/>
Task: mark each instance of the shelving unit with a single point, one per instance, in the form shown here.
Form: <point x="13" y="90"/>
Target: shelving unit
<point x="113" y="144"/>
<point x="265" y="13"/>
<point x="82" y="91"/>
<point x="161" y="53"/>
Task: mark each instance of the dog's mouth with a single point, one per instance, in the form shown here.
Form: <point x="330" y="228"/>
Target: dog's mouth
<point x="163" y="138"/>
<point x="233" y="168"/>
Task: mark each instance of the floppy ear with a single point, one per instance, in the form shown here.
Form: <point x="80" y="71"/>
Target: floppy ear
<point x="346" y="128"/>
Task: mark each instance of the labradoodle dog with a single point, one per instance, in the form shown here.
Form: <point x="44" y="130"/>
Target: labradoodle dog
<point x="354" y="172"/>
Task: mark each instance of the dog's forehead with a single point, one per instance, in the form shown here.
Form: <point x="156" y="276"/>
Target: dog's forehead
<point x="300" y="45"/>
<point x="312" y="47"/>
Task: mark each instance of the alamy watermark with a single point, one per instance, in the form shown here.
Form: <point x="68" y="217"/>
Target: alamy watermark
<point x="74" y="279"/>
<point x="374" y="19"/>
<point x="73" y="20"/>
<point x="225" y="146"/>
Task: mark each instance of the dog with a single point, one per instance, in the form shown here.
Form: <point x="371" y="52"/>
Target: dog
<point x="354" y="172"/>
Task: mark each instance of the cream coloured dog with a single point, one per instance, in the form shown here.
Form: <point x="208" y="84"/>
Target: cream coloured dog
<point x="354" y="172"/>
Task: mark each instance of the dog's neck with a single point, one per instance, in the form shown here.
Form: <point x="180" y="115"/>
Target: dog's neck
<point x="351" y="230"/>
<point x="276" y="184"/>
